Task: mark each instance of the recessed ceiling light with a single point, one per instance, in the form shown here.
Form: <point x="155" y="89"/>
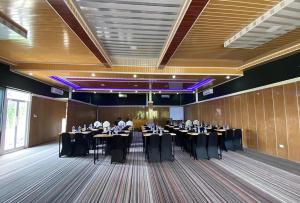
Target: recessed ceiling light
<point x="134" y="75"/>
<point x="227" y="77"/>
<point x="135" y="85"/>
<point x="102" y="85"/>
<point x="193" y="92"/>
<point x="94" y="92"/>
<point x="154" y="93"/>
<point x="177" y="93"/>
<point x="93" y="74"/>
<point x="73" y="90"/>
<point x="110" y="91"/>
<point x="30" y="73"/>
<point x="133" y="47"/>
<point x="159" y="92"/>
<point x="174" y="76"/>
<point x="136" y="91"/>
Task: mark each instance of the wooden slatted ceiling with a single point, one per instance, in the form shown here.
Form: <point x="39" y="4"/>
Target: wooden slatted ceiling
<point x="220" y="20"/>
<point x="51" y="41"/>
<point x="133" y="32"/>
<point x="66" y="14"/>
<point x="190" y="17"/>
<point x="49" y="38"/>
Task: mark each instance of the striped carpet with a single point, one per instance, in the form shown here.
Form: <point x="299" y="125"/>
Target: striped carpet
<point x="38" y="175"/>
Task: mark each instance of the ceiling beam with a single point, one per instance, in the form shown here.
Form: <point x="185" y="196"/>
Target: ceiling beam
<point x="63" y="9"/>
<point x="12" y="25"/>
<point x="192" y="13"/>
<point x="168" y="70"/>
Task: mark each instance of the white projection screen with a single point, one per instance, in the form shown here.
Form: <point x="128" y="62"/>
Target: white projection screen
<point x="176" y="113"/>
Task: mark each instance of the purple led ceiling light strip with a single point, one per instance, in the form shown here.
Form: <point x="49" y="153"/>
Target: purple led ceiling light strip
<point x="76" y="87"/>
<point x="65" y="82"/>
<point x="201" y="83"/>
<point x="131" y="80"/>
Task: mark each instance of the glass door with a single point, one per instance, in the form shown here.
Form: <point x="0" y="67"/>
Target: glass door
<point x="16" y="120"/>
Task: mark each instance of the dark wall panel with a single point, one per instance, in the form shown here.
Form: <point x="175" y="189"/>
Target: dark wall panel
<point x="114" y="99"/>
<point x="132" y="99"/>
<point x="14" y="80"/>
<point x="2" y="92"/>
<point x="173" y="100"/>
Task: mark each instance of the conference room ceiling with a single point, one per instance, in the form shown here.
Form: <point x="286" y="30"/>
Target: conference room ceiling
<point x="105" y="82"/>
<point x="52" y="46"/>
<point x="132" y="32"/>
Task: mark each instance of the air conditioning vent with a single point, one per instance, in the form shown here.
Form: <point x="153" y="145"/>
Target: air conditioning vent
<point x="57" y="91"/>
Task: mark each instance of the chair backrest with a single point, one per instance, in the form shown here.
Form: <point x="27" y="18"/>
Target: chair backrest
<point x="117" y="142"/>
<point x="213" y="138"/>
<point x="121" y="123"/>
<point x="166" y="139"/>
<point x="129" y="123"/>
<point x="238" y="133"/>
<point x="97" y="124"/>
<point x="229" y="133"/>
<point x="201" y="140"/>
<point x="106" y="124"/>
<point x="65" y="138"/>
<point x="154" y="141"/>
<point x="188" y="123"/>
<point x="80" y="138"/>
<point x="195" y="122"/>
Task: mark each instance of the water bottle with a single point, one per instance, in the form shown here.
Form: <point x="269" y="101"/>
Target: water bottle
<point x="79" y="129"/>
<point x="73" y="129"/>
<point x="205" y="130"/>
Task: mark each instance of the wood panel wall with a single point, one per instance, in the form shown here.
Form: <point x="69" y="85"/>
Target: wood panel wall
<point x="46" y="120"/>
<point x="79" y="113"/>
<point x="270" y="118"/>
<point x="137" y="114"/>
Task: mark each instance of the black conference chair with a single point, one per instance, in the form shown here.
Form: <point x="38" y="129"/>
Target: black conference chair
<point x="166" y="147"/>
<point x="228" y="139"/>
<point x="200" y="147"/>
<point x="212" y="146"/>
<point x="154" y="148"/>
<point x="118" y="149"/>
<point x="81" y="146"/>
<point x="67" y="145"/>
<point x="180" y="139"/>
<point x="237" y="140"/>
